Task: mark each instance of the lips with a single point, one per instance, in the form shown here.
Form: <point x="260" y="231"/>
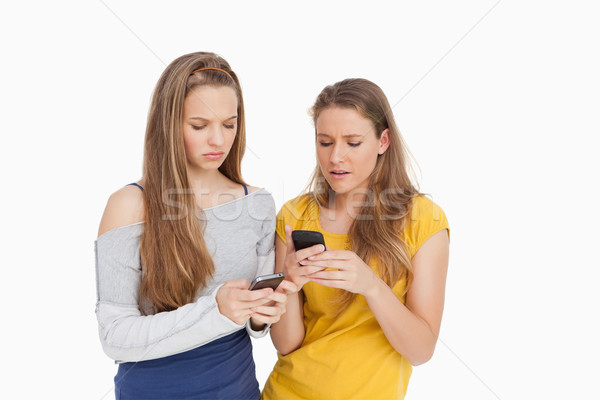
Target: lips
<point x="338" y="173"/>
<point x="213" y="156"/>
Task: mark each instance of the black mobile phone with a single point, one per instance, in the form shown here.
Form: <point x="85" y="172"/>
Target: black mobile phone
<point x="265" y="281"/>
<point x="303" y="239"/>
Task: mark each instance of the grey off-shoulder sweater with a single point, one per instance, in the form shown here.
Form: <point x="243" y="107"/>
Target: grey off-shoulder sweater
<point x="239" y="235"/>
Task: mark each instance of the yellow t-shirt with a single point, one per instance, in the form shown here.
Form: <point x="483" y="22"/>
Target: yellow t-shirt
<point x="345" y="357"/>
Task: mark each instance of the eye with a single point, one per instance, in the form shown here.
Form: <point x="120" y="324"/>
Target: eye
<point x="354" y="144"/>
<point x="325" y="144"/>
<point x="198" y="127"/>
<point x="229" y="126"/>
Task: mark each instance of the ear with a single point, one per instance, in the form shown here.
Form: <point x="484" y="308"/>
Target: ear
<point x="384" y="141"/>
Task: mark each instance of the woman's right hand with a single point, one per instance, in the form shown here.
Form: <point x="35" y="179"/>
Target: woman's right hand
<point x="292" y="269"/>
<point x="236" y="302"/>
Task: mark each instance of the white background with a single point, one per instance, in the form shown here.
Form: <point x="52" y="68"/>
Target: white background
<point x="497" y="100"/>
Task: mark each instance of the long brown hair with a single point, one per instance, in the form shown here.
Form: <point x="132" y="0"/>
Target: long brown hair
<point x="174" y="255"/>
<point x="376" y="232"/>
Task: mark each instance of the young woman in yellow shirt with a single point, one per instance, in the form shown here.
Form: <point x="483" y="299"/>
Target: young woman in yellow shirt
<point x="370" y="305"/>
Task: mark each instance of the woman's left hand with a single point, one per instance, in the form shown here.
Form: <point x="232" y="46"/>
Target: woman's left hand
<point x="271" y="312"/>
<point x="347" y="271"/>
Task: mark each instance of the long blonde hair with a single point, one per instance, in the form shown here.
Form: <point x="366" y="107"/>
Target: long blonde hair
<point x="174" y="255"/>
<point x="376" y="232"/>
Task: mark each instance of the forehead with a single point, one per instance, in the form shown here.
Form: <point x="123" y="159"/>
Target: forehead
<point x="345" y="121"/>
<point x="209" y="101"/>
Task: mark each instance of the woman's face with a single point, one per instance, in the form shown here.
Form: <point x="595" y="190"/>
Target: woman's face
<point x="347" y="148"/>
<point x="209" y="126"/>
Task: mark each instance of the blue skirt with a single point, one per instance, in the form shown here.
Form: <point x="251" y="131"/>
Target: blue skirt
<point x="221" y="369"/>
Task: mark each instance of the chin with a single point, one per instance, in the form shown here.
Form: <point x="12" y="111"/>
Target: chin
<point x="339" y="189"/>
<point x="348" y="188"/>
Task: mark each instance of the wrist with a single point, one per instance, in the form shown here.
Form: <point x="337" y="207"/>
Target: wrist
<point x="375" y="287"/>
<point x="257" y="329"/>
<point x="256" y="325"/>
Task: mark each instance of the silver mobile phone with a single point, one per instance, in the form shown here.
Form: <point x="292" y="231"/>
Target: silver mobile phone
<point x="261" y="282"/>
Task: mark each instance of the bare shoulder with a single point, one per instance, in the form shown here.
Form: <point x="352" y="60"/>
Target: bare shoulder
<point x="124" y="207"/>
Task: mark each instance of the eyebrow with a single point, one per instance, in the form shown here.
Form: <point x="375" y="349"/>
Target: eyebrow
<point x="350" y="136"/>
<point x="204" y="119"/>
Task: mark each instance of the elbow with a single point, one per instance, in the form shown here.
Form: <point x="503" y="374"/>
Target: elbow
<point x="285" y="350"/>
<point x="286" y="345"/>
<point x="110" y="351"/>
<point x="286" y="339"/>
<point x="415" y="361"/>
<point x="417" y="358"/>
<point x="120" y="355"/>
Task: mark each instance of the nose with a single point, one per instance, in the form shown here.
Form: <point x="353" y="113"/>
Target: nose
<point x="216" y="136"/>
<point x="337" y="154"/>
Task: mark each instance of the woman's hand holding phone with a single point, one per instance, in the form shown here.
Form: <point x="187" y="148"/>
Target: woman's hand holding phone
<point x="292" y="269"/>
<point x="340" y="269"/>
<point x="271" y="312"/>
<point x="239" y="302"/>
<point x="344" y="269"/>
<point x="236" y="301"/>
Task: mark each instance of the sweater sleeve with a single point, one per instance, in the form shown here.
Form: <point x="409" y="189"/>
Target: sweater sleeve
<point x="127" y="335"/>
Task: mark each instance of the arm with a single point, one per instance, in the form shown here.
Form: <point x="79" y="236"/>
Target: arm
<point x="412" y="329"/>
<point x="288" y="333"/>
<point x="263" y="316"/>
<point x="125" y="333"/>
